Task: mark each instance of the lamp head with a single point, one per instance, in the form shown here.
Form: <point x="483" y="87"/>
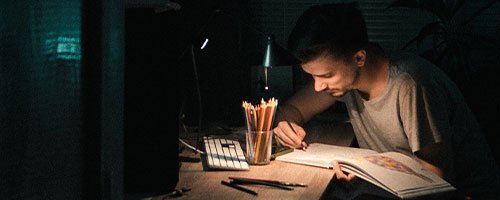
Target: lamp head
<point x="275" y="55"/>
<point x="269" y="53"/>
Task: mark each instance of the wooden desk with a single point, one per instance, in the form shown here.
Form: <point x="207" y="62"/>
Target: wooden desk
<point x="207" y="185"/>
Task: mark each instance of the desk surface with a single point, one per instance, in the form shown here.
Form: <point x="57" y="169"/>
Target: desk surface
<point x="207" y="184"/>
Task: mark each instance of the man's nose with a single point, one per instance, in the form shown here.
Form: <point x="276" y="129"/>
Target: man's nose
<point x="319" y="86"/>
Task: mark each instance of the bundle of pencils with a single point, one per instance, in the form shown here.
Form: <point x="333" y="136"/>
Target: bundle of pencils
<point x="259" y="120"/>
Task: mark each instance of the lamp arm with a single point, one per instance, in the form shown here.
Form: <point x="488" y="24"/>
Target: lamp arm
<point x="190" y="48"/>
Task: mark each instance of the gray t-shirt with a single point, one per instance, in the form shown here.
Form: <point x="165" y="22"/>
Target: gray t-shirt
<point x="421" y="106"/>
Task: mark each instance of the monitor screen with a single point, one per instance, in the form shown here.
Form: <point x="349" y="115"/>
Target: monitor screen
<point x="151" y="102"/>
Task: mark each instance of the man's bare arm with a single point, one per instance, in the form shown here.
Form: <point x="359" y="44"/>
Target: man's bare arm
<point x="438" y="158"/>
<point x="304" y="105"/>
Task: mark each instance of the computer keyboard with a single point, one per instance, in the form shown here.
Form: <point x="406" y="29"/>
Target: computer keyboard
<point x="224" y="154"/>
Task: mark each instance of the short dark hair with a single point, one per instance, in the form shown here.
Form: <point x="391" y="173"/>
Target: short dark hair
<point x="338" y="29"/>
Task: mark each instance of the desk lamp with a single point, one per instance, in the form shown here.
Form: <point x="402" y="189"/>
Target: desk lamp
<point x="274" y="56"/>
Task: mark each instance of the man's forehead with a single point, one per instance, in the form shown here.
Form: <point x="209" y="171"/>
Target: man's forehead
<point x="318" y="66"/>
<point x="322" y="61"/>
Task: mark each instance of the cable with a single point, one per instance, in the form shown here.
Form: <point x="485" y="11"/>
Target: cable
<point x="195" y="69"/>
<point x="191" y="147"/>
<point x="198" y="91"/>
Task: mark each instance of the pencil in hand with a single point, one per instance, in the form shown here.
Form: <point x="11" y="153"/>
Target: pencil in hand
<point x="303" y="144"/>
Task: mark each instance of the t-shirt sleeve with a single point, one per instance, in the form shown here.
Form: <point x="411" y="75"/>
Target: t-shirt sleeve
<point x="424" y="113"/>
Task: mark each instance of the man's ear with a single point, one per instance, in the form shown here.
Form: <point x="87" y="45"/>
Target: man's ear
<point x="360" y="58"/>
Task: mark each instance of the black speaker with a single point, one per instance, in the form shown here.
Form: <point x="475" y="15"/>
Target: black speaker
<point x="151" y="103"/>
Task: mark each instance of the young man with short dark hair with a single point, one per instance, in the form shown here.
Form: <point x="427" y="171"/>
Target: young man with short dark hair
<point x="399" y="103"/>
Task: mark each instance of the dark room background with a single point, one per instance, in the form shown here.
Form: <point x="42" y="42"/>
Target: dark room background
<point x="71" y="92"/>
<point x="473" y="35"/>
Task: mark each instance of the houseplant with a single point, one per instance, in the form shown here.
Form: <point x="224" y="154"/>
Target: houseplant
<point x="450" y="39"/>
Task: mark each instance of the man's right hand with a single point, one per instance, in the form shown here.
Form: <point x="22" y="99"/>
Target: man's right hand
<point x="288" y="136"/>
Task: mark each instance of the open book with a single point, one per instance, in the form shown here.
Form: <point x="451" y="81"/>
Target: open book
<point x="394" y="172"/>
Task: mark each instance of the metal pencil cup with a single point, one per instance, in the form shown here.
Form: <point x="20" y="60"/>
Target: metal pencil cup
<point x="258" y="147"/>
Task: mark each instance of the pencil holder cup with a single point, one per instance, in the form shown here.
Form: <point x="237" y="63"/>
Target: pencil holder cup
<point x="258" y="147"/>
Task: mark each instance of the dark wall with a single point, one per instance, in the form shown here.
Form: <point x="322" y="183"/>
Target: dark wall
<point x="61" y="123"/>
<point x="41" y="149"/>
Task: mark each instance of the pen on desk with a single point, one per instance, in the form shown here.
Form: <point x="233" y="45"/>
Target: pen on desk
<point x="285" y="183"/>
<point x="236" y="186"/>
<point x="304" y="144"/>
<point x="248" y="181"/>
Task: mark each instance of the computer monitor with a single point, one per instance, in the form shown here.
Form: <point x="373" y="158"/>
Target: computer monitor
<point x="151" y="103"/>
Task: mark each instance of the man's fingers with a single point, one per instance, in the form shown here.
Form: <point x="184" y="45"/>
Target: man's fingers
<point x="293" y="140"/>
<point x="338" y="172"/>
<point x="341" y="176"/>
<point x="287" y="135"/>
<point x="295" y="133"/>
<point x="280" y="142"/>
<point x="351" y="177"/>
<point x="299" y="131"/>
<point x="304" y="144"/>
<point x="283" y="139"/>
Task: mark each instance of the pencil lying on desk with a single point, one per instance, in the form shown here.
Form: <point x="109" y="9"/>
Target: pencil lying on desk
<point x="284" y="183"/>
<point x="236" y="186"/>
<point x="247" y="181"/>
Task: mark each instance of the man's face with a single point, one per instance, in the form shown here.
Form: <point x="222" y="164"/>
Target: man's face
<point x="332" y="75"/>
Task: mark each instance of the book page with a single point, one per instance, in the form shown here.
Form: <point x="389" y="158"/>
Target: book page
<point x="397" y="173"/>
<point x="321" y="155"/>
<point x="405" y="176"/>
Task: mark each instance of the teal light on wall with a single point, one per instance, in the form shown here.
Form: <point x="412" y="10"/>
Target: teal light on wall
<point x="40" y="98"/>
<point x="62" y="47"/>
<point x="68" y="48"/>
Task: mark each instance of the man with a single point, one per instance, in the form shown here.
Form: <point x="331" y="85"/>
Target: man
<point x="396" y="103"/>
